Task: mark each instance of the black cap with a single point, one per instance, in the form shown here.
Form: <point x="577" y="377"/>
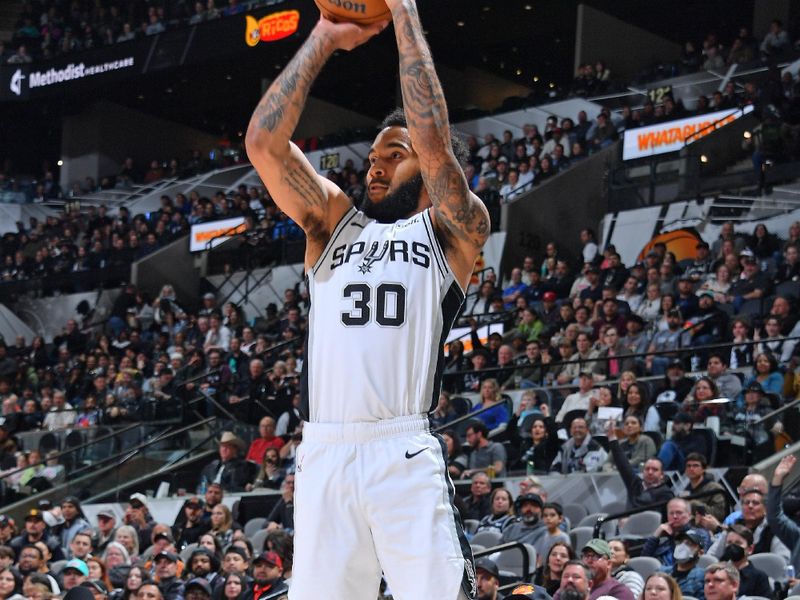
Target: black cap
<point x="754" y="386"/>
<point x="237" y="550"/>
<point x="4" y="520"/>
<point x="198" y="582"/>
<point x="166" y="554"/>
<point x="163" y="535"/>
<point x="691" y="534"/>
<point x="683" y="417"/>
<point x="676" y="364"/>
<point x="529" y="497"/>
<point x="488" y="565"/>
<point x="79" y="593"/>
<point x="96" y="584"/>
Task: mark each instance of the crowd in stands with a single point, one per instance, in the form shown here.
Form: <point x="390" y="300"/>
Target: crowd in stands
<point x="48" y="28"/>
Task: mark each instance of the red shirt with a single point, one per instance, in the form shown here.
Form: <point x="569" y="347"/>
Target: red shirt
<point x="258" y="447"/>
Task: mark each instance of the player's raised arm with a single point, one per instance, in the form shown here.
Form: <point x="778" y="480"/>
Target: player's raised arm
<point x="458" y="214"/>
<point x="314" y="202"/>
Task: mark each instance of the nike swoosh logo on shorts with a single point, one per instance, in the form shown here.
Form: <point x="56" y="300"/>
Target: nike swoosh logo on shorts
<point x="415" y="453"/>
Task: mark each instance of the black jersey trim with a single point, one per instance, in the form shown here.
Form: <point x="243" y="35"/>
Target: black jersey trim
<point x="451" y="304"/>
<point x="468" y="580"/>
<point x="434" y="243"/>
<point x="305" y="408"/>
<point x="346" y="218"/>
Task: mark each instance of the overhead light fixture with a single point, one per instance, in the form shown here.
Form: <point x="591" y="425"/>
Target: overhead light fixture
<point x="535" y="79"/>
<point x="528" y="7"/>
<point x="703" y="158"/>
<point x="60" y="163"/>
<point x="747" y="135"/>
<point x="460" y="23"/>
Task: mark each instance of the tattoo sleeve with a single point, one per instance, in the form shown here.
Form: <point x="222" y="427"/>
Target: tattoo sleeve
<point x="462" y="215"/>
<point x="279" y="110"/>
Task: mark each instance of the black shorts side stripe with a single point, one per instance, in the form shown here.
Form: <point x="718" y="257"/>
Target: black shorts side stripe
<point x="468" y="582"/>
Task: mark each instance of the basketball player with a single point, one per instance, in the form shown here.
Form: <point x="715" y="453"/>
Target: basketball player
<point x="372" y="489"/>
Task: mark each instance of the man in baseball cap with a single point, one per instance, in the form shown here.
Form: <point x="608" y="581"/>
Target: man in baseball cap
<point x="488" y="579"/>
<point x="197" y="589"/>
<point x="268" y="576"/>
<point x="528" y="591"/>
<point x="74" y="574"/>
<point x="596" y="554"/>
<point x="166" y="563"/>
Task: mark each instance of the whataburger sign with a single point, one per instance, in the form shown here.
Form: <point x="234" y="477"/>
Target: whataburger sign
<point x="673" y="135"/>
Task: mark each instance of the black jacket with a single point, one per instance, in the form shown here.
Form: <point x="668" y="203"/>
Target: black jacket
<point x="637" y="494"/>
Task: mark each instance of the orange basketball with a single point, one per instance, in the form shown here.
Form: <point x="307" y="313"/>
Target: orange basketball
<point x="361" y="12"/>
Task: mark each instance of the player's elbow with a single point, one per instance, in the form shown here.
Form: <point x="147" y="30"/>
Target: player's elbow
<point x="258" y="142"/>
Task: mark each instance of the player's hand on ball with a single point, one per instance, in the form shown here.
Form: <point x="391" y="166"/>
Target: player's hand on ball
<point x="346" y="36"/>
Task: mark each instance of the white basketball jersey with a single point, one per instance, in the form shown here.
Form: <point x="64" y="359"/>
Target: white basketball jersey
<point x="383" y="299"/>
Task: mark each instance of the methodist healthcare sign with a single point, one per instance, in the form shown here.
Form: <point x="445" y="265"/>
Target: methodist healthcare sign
<point x="205" y="236"/>
<point x="674" y="135"/>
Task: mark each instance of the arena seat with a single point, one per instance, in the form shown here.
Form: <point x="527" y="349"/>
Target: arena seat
<point x="656" y="437"/>
<point x="590" y="519"/>
<point x="186" y="553"/>
<point x="575" y="512"/>
<point x="579" y="536"/>
<point x="258" y="539"/>
<point x="487" y="538"/>
<point x="511" y="560"/>
<point x="640" y="525"/>
<point x="254" y="525"/>
<point x="471" y="525"/>
<point x="57" y="566"/>
<point x="706" y="560"/>
<point x="645" y="565"/>
<point x="772" y="564"/>
<point x="616" y="506"/>
<point x="788" y="288"/>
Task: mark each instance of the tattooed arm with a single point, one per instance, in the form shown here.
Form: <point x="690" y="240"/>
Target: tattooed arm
<point x="460" y="218"/>
<point x="312" y="201"/>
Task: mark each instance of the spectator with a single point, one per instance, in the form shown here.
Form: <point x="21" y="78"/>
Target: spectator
<point x="660" y="586"/>
<point x="544" y="445"/>
<point x="621" y="571"/>
<point x="636" y="447"/>
<point x="268" y="576"/>
<point x="486" y="455"/>
<point x="36" y="530"/>
<point x="187" y="530"/>
<point x="548" y="575"/>
<point x="785" y="529"/>
<point x="62" y="415"/>
<point x="666" y="342"/>
<point x="528" y="527"/>
<point x="553" y="519"/>
<point x="698" y="482"/>
<point x="576" y="579"/>
<point x="229" y="470"/>
<point x="652" y="488"/>
<point x="754" y="517"/>
<point x="684" y="441"/>
<point x="267" y="439"/>
<point x="477" y="503"/>
<point x="74" y="520"/>
<point x="775" y="42"/>
<point x="728" y="385"/>
<point x="74" y="573"/>
<point x="487" y="579"/>
<point x="752" y="581"/>
<point x="457" y="460"/>
<point x="721" y="582"/>
<point x="579" y="400"/>
<point x="752" y="285"/>
<point x="502" y="511"/>
<point x="169" y="585"/>
<point x="580" y="453"/>
<point x="596" y="554"/>
<point x="688" y="549"/>
<point x="661" y="544"/>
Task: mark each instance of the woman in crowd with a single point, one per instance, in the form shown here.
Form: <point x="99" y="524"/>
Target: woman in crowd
<point x="235" y="586"/>
<point x="755" y="408"/>
<point x="456" y="459"/>
<point x="636" y="446"/>
<point x="621" y="571"/>
<point x="136" y="578"/>
<point x="667" y="304"/>
<point x="491" y="398"/>
<point x="704" y="390"/>
<point x="544" y="445"/>
<point x="501" y="511"/>
<point x="766" y="372"/>
<point x="636" y="404"/>
<point x="127" y="536"/>
<point x="118" y="563"/>
<point x="625" y="380"/>
<point x="741" y="350"/>
<point x="719" y="283"/>
<point x="10" y="585"/>
<point x="603" y="397"/>
<point x="455" y="362"/>
<point x="650" y="307"/>
<point x="222" y="524"/>
<point x="444" y="411"/>
<point x="98" y="570"/>
<point x="660" y="586"/>
<point x="764" y="244"/>
<point x="271" y="474"/>
<point x="210" y="542"/>
<point x="548" y="575"/>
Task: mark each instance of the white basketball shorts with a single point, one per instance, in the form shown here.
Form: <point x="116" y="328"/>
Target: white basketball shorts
<point x="372" y="497"/>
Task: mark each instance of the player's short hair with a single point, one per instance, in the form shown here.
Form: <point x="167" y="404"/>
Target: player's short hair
<point x="397" y="118"/>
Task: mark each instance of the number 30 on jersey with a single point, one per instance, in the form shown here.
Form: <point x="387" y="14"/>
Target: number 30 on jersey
<point x="385" y="304"/>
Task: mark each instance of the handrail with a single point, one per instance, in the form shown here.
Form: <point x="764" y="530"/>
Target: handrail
<point x="74" y="449"/>
<point x="777" y="411"/>
<point x="653" y="506"/>
<point x="526" y="559"/>
<point x="467" y="417"/>
<point x="682" y="351"/>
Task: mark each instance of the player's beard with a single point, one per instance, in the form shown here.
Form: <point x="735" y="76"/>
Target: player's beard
<point x="396" y="205"/>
